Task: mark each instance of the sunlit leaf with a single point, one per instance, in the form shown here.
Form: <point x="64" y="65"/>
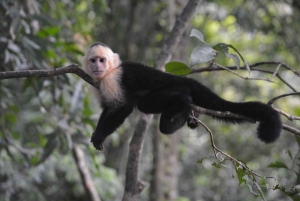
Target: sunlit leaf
<point x="221" y="47"/>
<point x="246" y="63"/>
<point x="48" y="31"/>
<point x="263" y="181"/>
<point x="177" y="68"/>
<point x="235" y="59"/>
<point x="196" y="33"/>
<point x="202" y="53"/>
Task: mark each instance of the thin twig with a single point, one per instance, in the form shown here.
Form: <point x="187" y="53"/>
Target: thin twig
<point x="243" y="77"/>
<point x="291" y="129"/>
<point x="253" y="67"/>
<point x="270" y="102"/>
<point x="276" y="71"/>
<point x="290" y="117"/>
<point x="217" y="151"/>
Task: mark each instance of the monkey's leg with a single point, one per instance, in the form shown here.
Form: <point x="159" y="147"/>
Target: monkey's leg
<point x="173" y="103"/>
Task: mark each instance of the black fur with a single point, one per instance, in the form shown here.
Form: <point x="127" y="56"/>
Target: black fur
<point x="153" y="91"/>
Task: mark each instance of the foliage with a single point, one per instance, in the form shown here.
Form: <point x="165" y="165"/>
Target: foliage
<point x="205" y="53"/>
<point x="41" y="119"/>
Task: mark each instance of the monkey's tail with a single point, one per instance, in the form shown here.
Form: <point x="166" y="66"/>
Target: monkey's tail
<point x="269" y="127"/>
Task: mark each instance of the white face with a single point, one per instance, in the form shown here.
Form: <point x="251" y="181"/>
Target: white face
<point x="99" y="61"/>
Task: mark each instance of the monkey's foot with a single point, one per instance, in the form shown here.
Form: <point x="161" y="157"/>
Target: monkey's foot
<point x="192" y="121"/>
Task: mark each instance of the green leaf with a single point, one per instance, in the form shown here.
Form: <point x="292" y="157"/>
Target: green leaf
<point x="200" y="160"/>
<point x="26" y="84"/>
<point x="298" y="140"/>
<point x="31" y="43"/>
<point x="235" y="59"/>
<point x="177" y="68"/>
<point x="260" y="191"/>
<point x="48" y="31"/>
<point x="278" y="164"/>
<point x="52" y="143"/>
<point x="263" y="181"/>
<point x="290" y="154"/>
<point x="246" y="64"/>
<point x="216" y="165"/>
<point x="34" y="159"/>
<point x="221" y="47"/>
<point x="240" y="174"/>
<point x="202" y="53"/>
<point x="197" y="34"/>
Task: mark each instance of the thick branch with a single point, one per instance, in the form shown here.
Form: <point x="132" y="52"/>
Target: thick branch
<point x="48" y="73"/>
<point x="132" y="186"/>
<point x="227" y="114"/>
<point x="176" y="33"/>
<point x="215" y="113"/>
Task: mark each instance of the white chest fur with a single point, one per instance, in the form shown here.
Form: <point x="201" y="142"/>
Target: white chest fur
<point x="110" y="86"/>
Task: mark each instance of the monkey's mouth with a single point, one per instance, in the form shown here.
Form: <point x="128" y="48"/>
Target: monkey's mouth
<point x="97" y="72"/>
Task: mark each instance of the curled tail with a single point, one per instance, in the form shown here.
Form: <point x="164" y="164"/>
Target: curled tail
<point x="270" y="125"/>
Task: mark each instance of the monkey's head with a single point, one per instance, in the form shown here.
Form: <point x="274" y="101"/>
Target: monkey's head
<point x="100" y="60"/>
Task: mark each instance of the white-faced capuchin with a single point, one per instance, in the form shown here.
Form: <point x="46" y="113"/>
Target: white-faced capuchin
<point x="126" y="85"/>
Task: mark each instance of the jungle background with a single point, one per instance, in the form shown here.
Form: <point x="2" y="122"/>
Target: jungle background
<point x="43" y="120"/>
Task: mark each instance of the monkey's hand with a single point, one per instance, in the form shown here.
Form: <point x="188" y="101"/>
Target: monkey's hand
<point x="98" y="143"/>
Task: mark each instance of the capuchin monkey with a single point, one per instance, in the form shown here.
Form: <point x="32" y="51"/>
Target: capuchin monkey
<point x="126" y="85"/>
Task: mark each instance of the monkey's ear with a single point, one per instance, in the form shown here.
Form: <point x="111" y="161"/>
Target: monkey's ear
<point x="117" y="60"/>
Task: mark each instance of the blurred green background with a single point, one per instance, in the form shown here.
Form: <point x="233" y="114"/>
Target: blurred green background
<point x="41" y="119"/>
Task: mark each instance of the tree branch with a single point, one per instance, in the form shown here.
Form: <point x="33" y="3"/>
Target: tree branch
<point x="49" y="73"/>
<point x="132" y="186"/>
<point x="253" y="67"/>
<point x="85" y="174"/>
<point x="215" y="113"/>
<point x="270" y="102"/>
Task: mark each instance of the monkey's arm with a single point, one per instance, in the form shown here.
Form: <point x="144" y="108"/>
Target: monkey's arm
<point x="110" y="120"/>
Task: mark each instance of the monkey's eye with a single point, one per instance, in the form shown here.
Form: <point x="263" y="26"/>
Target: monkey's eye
<point x="93" y="60"/>
<point x="101" y="60"/>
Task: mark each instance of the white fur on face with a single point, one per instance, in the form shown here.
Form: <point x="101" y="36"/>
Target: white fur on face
<point x="110" y="79"/>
